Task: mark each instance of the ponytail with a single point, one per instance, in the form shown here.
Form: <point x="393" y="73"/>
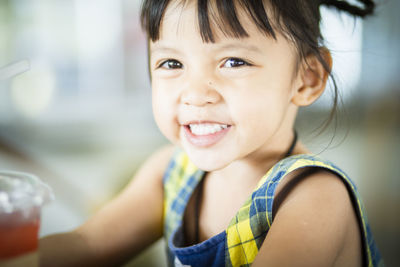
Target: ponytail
<point x="354" y="10"/>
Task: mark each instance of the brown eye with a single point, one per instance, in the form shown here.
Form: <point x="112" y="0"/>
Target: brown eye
<point x="171" y="64"/>
<point x="235" y="63"/>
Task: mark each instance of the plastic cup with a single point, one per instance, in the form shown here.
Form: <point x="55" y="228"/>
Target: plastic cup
<point x="22" y="196"/>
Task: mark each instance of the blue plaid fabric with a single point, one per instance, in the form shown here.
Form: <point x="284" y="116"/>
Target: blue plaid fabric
<point x="239" y="244"/>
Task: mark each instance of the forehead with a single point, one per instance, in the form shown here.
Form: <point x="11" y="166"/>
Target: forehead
<point x="181" y="17"/>
<point x="180" y="24"/>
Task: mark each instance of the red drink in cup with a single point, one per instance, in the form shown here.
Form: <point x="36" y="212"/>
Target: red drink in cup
<point x="21" y="198"/>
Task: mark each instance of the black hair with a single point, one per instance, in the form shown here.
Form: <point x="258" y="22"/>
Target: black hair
<point x="297" y="20"/>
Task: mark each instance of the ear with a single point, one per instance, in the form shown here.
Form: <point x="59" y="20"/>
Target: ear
<point x="312" y="78"/>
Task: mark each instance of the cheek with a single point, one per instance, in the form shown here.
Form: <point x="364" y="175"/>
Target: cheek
<point x="260" y="113"/>
<point x="165" y="115"/>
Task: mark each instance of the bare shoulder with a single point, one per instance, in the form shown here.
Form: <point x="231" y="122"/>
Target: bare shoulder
<point x="160" y="158"/>
<point x="320" y="188"/>
<point x="156" y="164"/>
<point x="315" y="223"/>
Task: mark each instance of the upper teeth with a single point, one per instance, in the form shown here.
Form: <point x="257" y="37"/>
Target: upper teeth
<point x="206" y="128"/>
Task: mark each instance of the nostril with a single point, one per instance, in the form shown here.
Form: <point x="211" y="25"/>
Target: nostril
<point x="200" y="94"/>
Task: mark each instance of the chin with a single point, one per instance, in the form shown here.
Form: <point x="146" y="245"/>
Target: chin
<point x="207" y="161"/>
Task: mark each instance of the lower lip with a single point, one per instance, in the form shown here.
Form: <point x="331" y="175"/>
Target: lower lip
<point x="204" y="140"/>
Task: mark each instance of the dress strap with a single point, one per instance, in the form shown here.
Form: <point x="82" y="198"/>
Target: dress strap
<point x="248" y="229"/>
<point x="280" y="197"/>
<point x="180" y="179"/>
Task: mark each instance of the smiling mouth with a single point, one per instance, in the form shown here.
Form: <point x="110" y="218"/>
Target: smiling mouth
<point x="206" y="128"/>
<point x="205" y="134"/>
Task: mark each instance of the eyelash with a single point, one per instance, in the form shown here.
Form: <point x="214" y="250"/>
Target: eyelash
<point x="168" y="67"/>
<point x="242" y="63"/>
<point x="238" y="62"/>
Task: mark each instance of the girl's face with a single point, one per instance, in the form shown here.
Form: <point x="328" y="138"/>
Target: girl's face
<point x="224" y="101"/>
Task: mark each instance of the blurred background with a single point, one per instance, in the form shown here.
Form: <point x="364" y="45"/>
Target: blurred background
<point x="81" y="119"/>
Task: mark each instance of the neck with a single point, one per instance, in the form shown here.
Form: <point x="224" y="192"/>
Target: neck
<point x="254" y="166"/>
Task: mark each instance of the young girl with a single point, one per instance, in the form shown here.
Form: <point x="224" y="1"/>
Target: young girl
<point x="236" y="188"/>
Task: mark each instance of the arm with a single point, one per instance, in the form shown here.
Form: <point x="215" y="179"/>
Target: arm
<point x="316" y="225"/>
<point x="121" y="229"/>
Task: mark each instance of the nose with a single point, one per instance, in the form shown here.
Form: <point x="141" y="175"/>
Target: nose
<point x="200" y="93"/>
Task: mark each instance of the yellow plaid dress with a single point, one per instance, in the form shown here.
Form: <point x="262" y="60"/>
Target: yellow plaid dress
<point x="238" y="245"/>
